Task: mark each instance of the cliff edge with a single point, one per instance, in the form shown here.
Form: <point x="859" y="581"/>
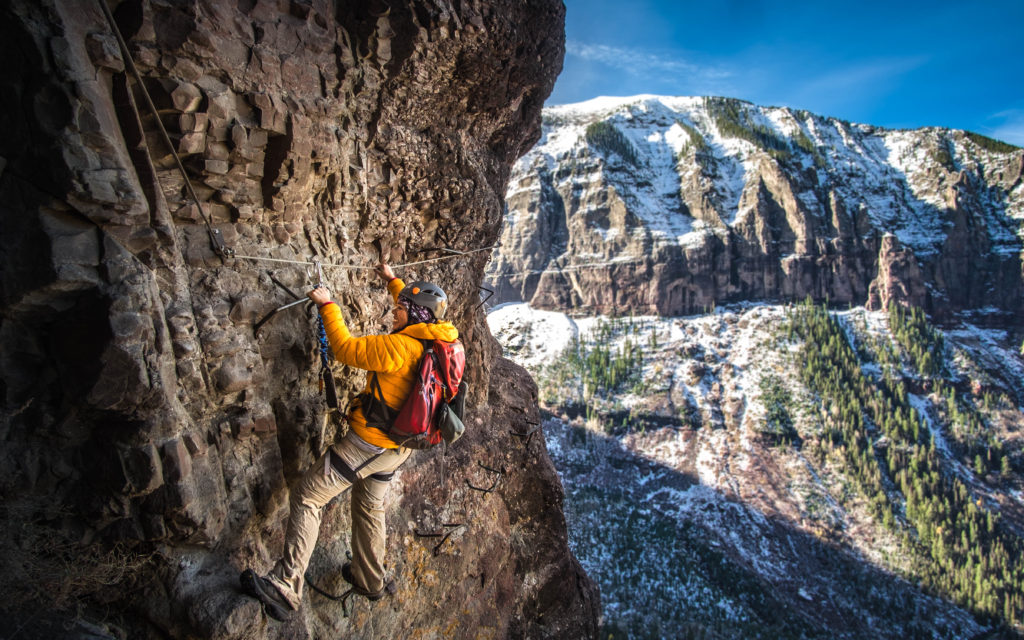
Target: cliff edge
<point x="150" y="433"/>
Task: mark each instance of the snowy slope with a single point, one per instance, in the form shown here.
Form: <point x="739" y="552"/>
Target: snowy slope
<point x="689" y="504"/>
<point x="886" y="174"/>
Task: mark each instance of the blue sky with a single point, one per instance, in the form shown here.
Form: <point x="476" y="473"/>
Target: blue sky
<point x="894" y="64"/>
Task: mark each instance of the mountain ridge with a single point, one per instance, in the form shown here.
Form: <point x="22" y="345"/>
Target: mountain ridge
<point x="700" y="201"/>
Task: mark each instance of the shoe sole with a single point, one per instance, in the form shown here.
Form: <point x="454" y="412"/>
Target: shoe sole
<point x="251" y="585"/>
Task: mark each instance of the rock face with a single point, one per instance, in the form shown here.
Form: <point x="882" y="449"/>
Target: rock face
<point x="149" y="435"/>
<point x="673" y="205"/>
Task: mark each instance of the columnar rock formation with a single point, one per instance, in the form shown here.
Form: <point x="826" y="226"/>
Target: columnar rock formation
<point x="140" y="410"/>
<point x="671" y="205"/>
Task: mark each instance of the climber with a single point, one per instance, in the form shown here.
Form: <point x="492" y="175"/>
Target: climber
<point x="366" y="458"/>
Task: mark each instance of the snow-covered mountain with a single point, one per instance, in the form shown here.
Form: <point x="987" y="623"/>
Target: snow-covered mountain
<point x="737" y="465"/>
<point x="672" y="205"/>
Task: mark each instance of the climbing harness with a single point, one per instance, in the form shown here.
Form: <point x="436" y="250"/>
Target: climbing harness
<point x="216" y="238"/>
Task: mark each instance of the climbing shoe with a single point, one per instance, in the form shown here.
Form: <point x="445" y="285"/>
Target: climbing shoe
<point x="260" y="588"/>
<point x="346" y="573"/>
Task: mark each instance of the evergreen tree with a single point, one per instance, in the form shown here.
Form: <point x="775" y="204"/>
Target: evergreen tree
<point x="962" y="541"/>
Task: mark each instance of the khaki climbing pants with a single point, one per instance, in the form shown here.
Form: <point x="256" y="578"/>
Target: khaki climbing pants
<point x="368" y="469"/>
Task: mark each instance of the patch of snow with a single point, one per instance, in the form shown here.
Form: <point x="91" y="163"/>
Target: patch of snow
<point x="543" y="334"/>
<point x="923" y="407"/>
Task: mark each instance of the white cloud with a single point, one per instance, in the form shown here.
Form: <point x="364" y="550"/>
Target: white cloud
<point x="643" y="63"/>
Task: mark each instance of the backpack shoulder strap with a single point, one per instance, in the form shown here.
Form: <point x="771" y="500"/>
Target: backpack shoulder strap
<point x="428" y="350"/>
<point x="375" y="389"/>
<point x="376" y="412"/>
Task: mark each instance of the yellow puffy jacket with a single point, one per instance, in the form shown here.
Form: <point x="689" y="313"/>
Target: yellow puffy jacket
<point x="394" y="356"/>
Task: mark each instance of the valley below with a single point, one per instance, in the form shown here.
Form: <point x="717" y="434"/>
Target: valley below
<point x="709" y="495"/>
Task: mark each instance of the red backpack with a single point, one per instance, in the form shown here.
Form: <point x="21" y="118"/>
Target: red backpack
<point x="432" y="411"/>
